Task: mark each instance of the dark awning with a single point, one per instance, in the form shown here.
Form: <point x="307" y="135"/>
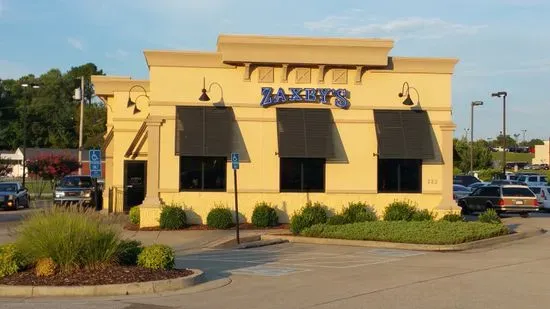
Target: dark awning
<point x="204" y="131"/>
<point x="305" y="133"/>
<point x="404" y="134"/>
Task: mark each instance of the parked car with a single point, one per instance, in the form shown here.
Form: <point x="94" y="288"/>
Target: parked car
<point x="507" y="182"/>
<point x="81" y="190"/>
<point x="465" y="180"/>
<point x="502" y="198"/>
<point x="460" y="191"/>
<point x="476" y="185"/>
<point x="13" y="195"/>
<point x="534" y="180"/>
<point x="543" y="197"/>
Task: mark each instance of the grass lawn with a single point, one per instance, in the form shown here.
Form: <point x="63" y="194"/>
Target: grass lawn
<point x="513" y="157"/>
<point x="413" y="232"/>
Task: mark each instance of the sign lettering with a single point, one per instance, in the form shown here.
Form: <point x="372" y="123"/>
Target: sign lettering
<point x="305" y="95"/>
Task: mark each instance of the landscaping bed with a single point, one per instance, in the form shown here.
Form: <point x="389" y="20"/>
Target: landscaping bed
<point x="412" y="232"/>
<point x="109" y="275"/>
<point x="204" y="227"/>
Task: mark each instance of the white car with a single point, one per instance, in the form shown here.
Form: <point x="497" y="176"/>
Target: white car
<point x="534" y="180"/>
<point x="543" y="196"/>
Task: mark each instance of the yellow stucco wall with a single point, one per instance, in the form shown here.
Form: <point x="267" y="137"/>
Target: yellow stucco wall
<point x="352" y="176"/>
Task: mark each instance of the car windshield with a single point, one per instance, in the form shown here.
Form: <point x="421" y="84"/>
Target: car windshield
<point x="76" y="182"/>
<point x="517" y="191"/>
<point x="536" y="190"/>
<point x="8" y="187"/>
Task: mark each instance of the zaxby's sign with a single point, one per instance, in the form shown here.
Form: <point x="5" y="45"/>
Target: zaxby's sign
<point x="305" y="95"/>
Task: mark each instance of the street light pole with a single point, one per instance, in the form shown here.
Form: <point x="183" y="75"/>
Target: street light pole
<point x="32" y="86"/>
<point x="81" y="125"/>
<point x="474" y="103"/>
<point x="503" y="94"/>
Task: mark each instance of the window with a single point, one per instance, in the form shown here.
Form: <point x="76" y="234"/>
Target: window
<point x="399" y="175"/>
<point x="533" y="179"/>
<point x="535" y="190"/>
<point x="517" y="191"/>
<point x="302" y="175"/>
<point x="203" y="173"/>
<point x="543" y="179"/>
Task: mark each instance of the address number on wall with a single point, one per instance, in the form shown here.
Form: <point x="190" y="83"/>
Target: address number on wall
<point x="432" y="181"/>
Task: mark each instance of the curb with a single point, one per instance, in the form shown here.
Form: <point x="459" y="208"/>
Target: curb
<point x="417" y="247"/>
<point x="262" y="243"/>
<point x="137" y="288"/>
<point x="231" y="241"/>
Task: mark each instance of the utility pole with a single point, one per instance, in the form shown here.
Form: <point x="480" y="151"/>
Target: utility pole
<point x="474" y="103"/>
<point x="524" y="131"/>
<point x="81" y="128"/>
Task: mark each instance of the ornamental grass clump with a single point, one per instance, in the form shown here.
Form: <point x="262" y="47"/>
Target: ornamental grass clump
<point x="73" y="237"/>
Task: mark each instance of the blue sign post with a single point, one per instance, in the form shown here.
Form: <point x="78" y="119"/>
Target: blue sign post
<point x="95" y="163"/>
<point x="235" y="166"/>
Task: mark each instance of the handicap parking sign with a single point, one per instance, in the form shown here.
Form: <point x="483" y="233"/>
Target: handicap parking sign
<point x="95" y="163"/>
<point x="235" y="160"/>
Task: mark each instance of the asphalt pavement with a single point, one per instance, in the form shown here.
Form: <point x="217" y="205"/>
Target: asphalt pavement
<point x="510" y="275"/>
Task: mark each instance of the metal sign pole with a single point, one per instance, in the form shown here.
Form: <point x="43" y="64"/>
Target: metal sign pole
<point x="236" y="206"/>
<point x="235" y="166"/>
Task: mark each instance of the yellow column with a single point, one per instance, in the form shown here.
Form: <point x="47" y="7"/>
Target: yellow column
<point x="150" y="208"/>
<point x="447" y="203"/>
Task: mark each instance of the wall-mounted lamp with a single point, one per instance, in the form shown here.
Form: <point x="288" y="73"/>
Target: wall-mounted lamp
<point x="405" y="90"/>
<point x="204" y="96"/>
<point x="134" y="102"/>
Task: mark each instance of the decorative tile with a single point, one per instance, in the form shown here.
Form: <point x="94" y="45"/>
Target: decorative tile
<point x="303" y="75"/>
<point x="265" y="75"/>
<point x="339" y="76"/>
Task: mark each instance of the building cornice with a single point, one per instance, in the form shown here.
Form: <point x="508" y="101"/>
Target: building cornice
<point x="419" y="65"/>
<point x="108" y="85"/>
<point x="240" y="49"/>
<point x="192" y="59"/>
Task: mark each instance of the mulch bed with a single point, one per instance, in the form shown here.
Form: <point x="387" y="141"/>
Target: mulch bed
<point x="109" y="275"/>
<point x="204" y="227"/>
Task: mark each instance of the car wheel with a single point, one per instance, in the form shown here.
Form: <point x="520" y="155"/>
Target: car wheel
<point x="464" y="208"/>
<point x="27" y="202"/>
<point x="524" y="214"/>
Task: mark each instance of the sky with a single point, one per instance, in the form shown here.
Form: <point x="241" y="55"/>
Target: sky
<point x="502" y="45"/>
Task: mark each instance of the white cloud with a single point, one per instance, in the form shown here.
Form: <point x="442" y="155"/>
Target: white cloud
<point x="402" y="28"/>
<point x="75" y="43"/>
<point x="118" y="54"/>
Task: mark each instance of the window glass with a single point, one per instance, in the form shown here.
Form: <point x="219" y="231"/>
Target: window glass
<point x="517" y="191"/>
<point x="73" y="181"/>
<point x="533" y="179"/>
<point x="8" y="187"/>
<point x="302" y="175"/>
<point x="399" y="176"/>
<point x="203" y="173"/>
<point x="521" y="178"/>
<point x="543" y="179"/>
<point x="536" y="190"/>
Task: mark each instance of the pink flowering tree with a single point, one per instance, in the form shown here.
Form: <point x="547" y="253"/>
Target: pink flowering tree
<point x="51" y="168"/>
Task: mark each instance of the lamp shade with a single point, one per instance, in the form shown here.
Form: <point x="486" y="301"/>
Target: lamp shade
<point x="204" y="96"/>
<point x="408" y="101"/>
<point x="130" y="102"/>
<point x="136" y="110"/>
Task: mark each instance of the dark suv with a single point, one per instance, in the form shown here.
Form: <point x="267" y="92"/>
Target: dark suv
<point x="80" y="190"/>
<point x="502" y="198"/>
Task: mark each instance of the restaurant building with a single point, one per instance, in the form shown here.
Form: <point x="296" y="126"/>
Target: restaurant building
<point x="313" y="119"/>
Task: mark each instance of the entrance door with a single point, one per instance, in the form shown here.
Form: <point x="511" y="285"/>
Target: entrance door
<point x="134" y="183"/>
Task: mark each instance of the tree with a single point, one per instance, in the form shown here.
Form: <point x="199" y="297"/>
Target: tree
<point x="52" y="167"/>
<point x="5" y="168"/>
<point x="535" y="141"/>
<point x="482" y="158"/>
<point x="49" y="113"/>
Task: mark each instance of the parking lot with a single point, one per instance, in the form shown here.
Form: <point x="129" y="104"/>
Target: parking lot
<point x="289" y="259"/>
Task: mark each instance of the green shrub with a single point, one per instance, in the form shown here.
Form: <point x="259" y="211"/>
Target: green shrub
<point x="452" y="218"/>
<point x="157" y="257"/>
<point x="128" y="252"/>
<point x="73" y="237"/>
<point x="489" y="216"/>
<point x="399" y="211"/>
<point x="457" y="171"/>
<point x="415" y="232"/>
<point x="264" y="215"/>
<point x="359" y="212"/>
<point x="488" y="174"/>
<point x="134" y="215"/>
<point x="220" y="218"/>
<point x="337" y="220"/>
<point x="423" y="215"/>
<point x="172" y="218"/>
<point x="309" y="215"/>
<point x="11" y="260"/>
